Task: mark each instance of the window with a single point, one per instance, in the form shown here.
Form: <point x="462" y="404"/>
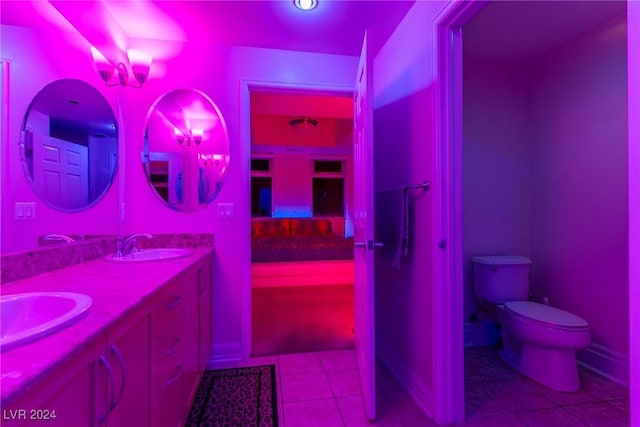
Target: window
<point x="261" y="196"/>
<point x="328" y="187"/>
<point x="261" y="199"/>
<point x="328" y="197"/>
<point x="331" y="166"/>
<point x="260" y="165"/>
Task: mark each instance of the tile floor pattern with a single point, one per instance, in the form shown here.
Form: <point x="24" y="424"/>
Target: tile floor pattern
<point x="323" y="389"/>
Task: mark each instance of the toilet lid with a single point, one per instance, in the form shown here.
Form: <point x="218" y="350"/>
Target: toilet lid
<point x="546" y="314"/>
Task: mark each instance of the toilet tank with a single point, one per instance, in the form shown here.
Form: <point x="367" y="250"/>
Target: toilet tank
<point x="500" y="279"/>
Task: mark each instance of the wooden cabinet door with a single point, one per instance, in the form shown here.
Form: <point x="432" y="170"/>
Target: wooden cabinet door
<point x="192" y="336"/>
<point x="206" y="320"/>
<point x="129" y="354"/>
<point x="169" y="345"/>
<point x="67" y="397"/>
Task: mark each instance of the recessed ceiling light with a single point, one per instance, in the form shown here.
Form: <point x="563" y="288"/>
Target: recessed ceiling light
<point x="305" y="4"/>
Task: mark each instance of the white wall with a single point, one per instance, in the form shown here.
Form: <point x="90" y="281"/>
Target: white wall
<point x="579" y="186"/>
<point x="497" y="172"/>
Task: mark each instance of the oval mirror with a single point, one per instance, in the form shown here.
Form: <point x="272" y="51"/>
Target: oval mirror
<point x="69" y="145"/>
<point x="186" y="149"/>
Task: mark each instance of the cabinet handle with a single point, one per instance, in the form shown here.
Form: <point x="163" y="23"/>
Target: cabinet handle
<point x="175" y="377"/>
<point x="176" y="301"/>
<point x="115" y="351"/>
<point x="112" y="380"/>
<point x="174" y="348"/>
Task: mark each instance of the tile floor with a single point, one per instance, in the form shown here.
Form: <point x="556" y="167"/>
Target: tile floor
<point x="497" y="395"/>
<point x="323" y="389"/>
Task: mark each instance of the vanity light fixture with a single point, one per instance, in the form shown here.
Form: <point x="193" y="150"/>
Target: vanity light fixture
<point x="139" y="60"/>
<point x="305" y="4"/>
<point x="195" y="136"/>
<point x="179" y="135"/>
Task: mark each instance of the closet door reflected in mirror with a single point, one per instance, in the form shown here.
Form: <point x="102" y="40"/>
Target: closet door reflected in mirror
<point x="186" y="149"/>
<point x="69" y="145"/>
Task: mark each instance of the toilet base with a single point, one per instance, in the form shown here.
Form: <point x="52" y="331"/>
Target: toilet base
<point x="554" y="368"/>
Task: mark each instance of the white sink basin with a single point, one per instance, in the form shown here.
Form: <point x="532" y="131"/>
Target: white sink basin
<point x="158" y="254"/>
<point x="30" y="316"/>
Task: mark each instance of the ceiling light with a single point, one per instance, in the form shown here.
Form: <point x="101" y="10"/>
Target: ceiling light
<point x="305" y="4"/>
<point x="303" y="125"/>
<point x="304" y="121"/>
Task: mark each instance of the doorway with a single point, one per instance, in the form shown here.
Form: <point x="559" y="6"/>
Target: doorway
<point x="280" y="276"/>
<point x="516" y="96"/>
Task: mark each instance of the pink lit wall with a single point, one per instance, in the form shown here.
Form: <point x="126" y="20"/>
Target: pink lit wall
<point x="217" y="73"/>
<point x="579" y="188"/>
<point x="33" y="66"/>
<point x="404" y="88"/>
<point x="633" y="74"/>
<point x="497" y="172"/>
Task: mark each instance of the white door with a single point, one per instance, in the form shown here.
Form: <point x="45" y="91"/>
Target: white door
<point x="60" y="171"/>
<point x="363" y="230"/>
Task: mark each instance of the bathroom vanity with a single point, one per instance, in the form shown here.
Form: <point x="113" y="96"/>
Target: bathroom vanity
<point x="134" y="359"/>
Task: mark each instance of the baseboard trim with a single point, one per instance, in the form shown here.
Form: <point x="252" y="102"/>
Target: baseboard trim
<point x="417" y="389"/>
<point x="606" y="362"/>
<point x="228" y="352"/>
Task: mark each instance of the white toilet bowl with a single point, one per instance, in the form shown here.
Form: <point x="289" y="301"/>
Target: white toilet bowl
<point x="547" y="339"/>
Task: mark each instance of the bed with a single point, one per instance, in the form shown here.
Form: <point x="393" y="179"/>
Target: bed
<point x="297" y="239"/>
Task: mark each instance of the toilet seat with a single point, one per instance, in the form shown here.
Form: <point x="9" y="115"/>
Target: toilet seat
<point x="545" y="315"/>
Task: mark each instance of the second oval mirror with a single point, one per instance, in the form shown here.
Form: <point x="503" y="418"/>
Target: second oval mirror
<point x="186" y="149"/>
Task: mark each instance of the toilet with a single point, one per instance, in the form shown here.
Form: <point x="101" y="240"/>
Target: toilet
<point x="538" y="340"/>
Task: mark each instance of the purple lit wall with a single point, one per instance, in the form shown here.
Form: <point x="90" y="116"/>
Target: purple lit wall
<point x="633" y="61"/>
<point x="497" y="172"/>
<point x="579" y="233"/>
<point x="404" y="87"/>
<point x="37" y="59"/>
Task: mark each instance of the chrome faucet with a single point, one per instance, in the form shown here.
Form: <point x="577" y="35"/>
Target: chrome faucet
<point x="58" y="237"/>
<point x="127" y="245"/>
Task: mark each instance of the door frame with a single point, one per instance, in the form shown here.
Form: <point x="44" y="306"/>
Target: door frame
<point x="448" y="289"/>
<point x="246" y="87"/>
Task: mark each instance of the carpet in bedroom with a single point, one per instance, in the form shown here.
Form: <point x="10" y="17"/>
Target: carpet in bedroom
<point x="298" y="319"/>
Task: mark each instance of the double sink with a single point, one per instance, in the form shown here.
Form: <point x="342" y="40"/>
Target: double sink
<point x="27" y="317"/>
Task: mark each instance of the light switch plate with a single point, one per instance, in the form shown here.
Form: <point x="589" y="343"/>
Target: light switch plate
<point x="225" y="210"/>
<point x="25" y="210"/>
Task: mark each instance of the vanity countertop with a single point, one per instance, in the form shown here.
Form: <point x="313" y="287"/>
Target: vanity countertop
<point x="116" y="289"/>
